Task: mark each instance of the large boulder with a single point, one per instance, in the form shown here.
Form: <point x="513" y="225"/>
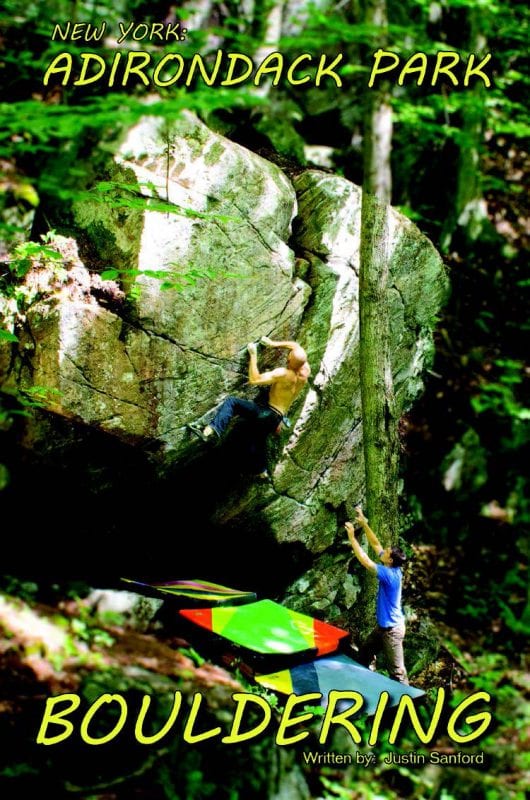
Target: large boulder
<point x="215" y="247"/>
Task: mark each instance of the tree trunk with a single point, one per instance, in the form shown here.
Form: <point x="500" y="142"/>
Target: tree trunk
<point x="469" y="213"/>
<point x="377" y="394"/>
<point x="380" y="439"/>
<point x="272" y="31"/>
<point x="377" y="124"/>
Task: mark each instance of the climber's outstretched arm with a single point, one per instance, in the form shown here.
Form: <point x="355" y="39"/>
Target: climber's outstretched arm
<point x="358" y="550"/>
<point x="370" y="535"/>
<point x="270" y="343"/>
<point x="257" y="378"/>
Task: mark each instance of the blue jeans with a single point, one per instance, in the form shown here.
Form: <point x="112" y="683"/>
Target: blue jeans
<point x="264" y="420"/>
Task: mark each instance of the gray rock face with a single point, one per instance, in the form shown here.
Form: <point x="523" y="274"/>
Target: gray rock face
<point x="226" y="250"/>
<point x="180" y="349"/>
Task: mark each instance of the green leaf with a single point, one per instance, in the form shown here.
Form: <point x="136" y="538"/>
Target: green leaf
<point x="8" y="337"/>
<point x="110" y="274"/>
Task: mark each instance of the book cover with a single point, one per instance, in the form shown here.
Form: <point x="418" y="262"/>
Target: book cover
<point x="263" y="266"/>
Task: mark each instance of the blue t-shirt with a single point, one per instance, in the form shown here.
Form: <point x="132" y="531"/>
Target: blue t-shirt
<point x="388" y="606"/>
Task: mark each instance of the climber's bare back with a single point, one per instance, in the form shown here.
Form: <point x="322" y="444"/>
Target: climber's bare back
<point x="286" y="386"/>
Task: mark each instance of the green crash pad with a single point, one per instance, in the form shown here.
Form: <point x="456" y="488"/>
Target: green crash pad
<point x="267" y="627"/>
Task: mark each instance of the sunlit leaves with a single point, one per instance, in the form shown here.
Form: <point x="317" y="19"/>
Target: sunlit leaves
<point x="123" y="195"/>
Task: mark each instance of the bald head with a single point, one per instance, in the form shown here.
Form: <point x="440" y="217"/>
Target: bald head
<point x="297" y="358"/>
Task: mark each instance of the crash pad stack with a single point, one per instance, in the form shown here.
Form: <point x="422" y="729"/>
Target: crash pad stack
<point x="284" y="650"/>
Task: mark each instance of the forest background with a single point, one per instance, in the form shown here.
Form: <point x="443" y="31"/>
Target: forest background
<point x="459" y="168"/>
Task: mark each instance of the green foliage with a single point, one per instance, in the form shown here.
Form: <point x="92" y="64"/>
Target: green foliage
<point x="4" y="477"/>
<point x="16" y="403"/>
<point x="19" y="587"/>
<point x="29" y="254"/>
<point x="177" y="279"/>
<point x="22" y="402"/>
<point x="519" y="626"/>
<point x="18" y="771"/>
<point x="16" y="296"/>
<point x="333" y="789"/>
<point x="465" y="467"/>
<point x="6" y="336"/>
<point x="89" y="633"/>
<point x="277" y="123"/>
<point x="193" y="654"/>
<point x="499" y="397"/>
<point x="123" y="195"/>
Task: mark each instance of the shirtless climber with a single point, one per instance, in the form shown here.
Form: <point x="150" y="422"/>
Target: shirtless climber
<point x="285" y="383"/>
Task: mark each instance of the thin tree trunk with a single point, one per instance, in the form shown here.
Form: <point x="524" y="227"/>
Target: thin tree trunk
<point x="469" y="214"/>
<point x="377" y="123"/>
<point x="380" y="438"/>
<point x="272" y="31"/>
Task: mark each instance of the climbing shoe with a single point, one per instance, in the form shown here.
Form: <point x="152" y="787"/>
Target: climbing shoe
<point x="198" y="430"/>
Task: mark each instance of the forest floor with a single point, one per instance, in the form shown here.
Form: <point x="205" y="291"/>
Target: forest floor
<point x="48" y="649"/>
